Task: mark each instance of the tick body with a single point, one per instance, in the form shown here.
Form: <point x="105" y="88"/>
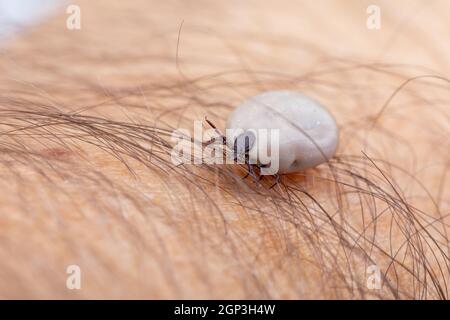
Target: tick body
<point x="308" y="134"/>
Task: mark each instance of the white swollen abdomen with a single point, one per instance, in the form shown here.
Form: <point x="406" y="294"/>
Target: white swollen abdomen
<point x="308" y="134"/>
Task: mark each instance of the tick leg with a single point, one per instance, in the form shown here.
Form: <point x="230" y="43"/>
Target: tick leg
<point x="248" y="171"/>
<point x="261" y="176"/>
<point x="217" y="130"/>
<point x="252" y="172"/>
<point x="257" y="177"/>
<point x="277" y="180"/>
<point x="207" y="143"/>
<point x="211" y="124"/>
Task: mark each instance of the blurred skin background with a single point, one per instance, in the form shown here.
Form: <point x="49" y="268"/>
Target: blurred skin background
<point x="86" y="178"/>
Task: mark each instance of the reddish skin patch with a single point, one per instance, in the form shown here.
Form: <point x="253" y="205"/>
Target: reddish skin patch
<point x="57" y="153"/>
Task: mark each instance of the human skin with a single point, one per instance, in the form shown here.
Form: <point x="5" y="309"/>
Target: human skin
<point x="87" y="180"/>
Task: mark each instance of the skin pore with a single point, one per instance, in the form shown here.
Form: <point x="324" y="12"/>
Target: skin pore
<point x="86" y="118"/>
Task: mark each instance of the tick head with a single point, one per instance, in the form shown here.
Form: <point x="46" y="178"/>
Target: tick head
<point x="243" y="144"/>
